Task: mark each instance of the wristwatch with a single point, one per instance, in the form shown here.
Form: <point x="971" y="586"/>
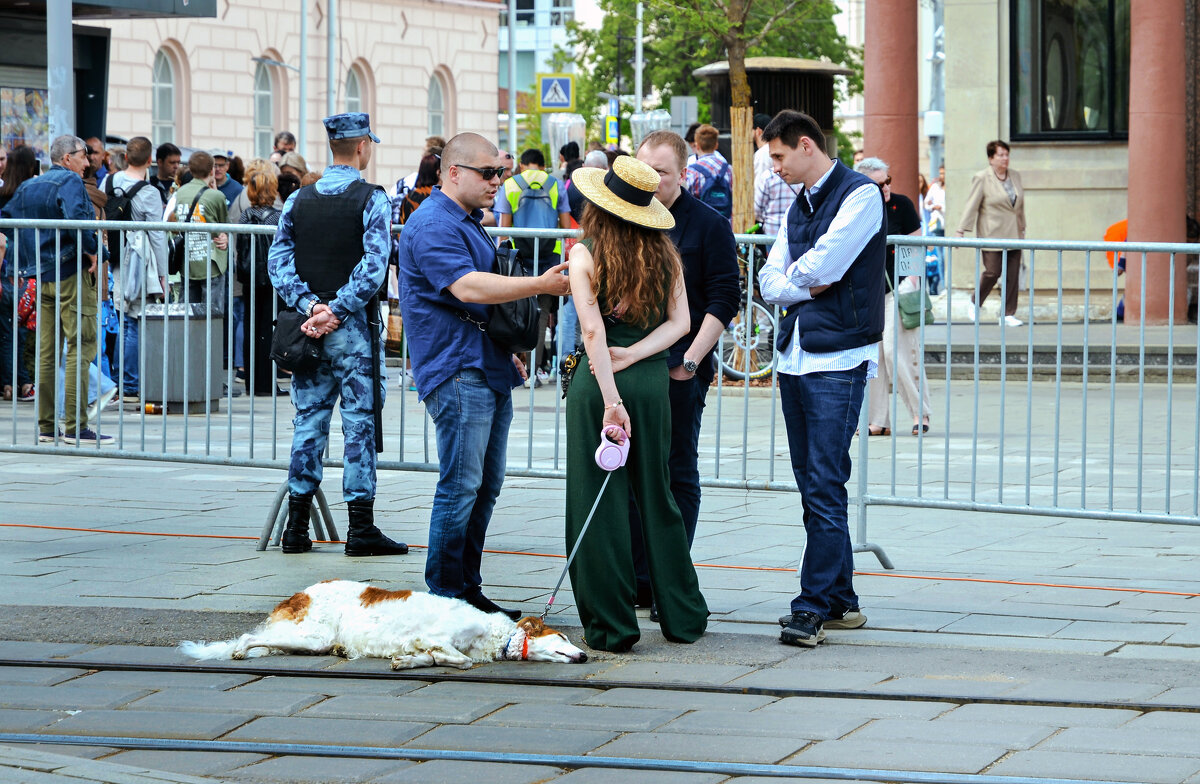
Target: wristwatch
<point x="690" y="365"/>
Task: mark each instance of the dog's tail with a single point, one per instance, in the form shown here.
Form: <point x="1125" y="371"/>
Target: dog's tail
<point x="217" y="650"/>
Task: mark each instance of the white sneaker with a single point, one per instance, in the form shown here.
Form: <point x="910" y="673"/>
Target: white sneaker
<point x="1013" y="321"/>
<point x="972" y="314"/>
<point x="100" y="404"/>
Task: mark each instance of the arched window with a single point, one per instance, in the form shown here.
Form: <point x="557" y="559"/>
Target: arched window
<point x="162" y="119"/>
<point x="436" y="107"/>
<point x="354" y="100"/>
<point x="264" y="112"/>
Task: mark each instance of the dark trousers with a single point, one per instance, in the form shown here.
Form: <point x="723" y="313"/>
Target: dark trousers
<point x="256" y="333"/>
<point x="820" y="411"/>
<point x="993" y="270"/>
<point x="12" y="345"/>
<point x="687" y="409"/>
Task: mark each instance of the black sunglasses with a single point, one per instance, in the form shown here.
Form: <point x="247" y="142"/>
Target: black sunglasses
<point x="888" y="181"/>
<point x="487" y="172"/>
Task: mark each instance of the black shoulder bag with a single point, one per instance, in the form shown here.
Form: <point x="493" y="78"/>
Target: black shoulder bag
<point x="512" y="325"/>
<point x="291" y="349"/>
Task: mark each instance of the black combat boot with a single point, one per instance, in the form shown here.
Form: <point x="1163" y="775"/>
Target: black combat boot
<point x="364" y="538"/>
<point x="295" y="535"/>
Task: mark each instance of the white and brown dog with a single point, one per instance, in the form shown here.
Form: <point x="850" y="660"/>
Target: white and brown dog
<point x="412" y="629"/>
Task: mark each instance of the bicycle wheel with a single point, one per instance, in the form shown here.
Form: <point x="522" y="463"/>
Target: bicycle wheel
<point x="748" y="341"/>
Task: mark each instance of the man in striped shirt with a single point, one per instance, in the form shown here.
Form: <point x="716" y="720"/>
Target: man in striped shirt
<point x="827" y="268"/>
<point x="773" y="197"/>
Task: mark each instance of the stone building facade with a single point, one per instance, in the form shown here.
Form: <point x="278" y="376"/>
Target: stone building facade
<point x="417" y="66"/>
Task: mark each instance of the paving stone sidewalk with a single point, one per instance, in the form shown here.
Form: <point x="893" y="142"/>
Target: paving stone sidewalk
<point x="981" y="607"/>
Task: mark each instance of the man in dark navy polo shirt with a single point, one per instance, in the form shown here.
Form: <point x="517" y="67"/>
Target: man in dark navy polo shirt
<point x="710" y="274"/>
<point x="463" y="377"/>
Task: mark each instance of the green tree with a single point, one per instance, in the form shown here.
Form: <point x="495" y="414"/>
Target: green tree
<point x="682" y="35"/>
<point x="676" y="43"/>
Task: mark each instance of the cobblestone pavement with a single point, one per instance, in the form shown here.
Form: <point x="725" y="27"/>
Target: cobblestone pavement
<point x="1022" y="645"/>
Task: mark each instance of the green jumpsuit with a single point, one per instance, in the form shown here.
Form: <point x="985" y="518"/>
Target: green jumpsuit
<point x="602" y="575"/>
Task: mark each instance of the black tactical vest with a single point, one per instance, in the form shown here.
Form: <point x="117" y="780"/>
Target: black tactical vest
<point x="328" y="232"/>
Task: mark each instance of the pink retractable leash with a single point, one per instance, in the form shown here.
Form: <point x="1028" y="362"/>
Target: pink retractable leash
<point x="610" y="456"/>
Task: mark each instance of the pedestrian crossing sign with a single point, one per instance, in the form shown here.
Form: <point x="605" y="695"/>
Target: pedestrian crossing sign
<point x="556" y="92"/>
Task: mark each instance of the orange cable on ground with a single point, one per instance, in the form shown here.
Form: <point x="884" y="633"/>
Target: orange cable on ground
<point x="933" y="578"/>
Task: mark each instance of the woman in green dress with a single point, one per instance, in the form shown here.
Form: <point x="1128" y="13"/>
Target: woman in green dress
<point x="627" y="286"/>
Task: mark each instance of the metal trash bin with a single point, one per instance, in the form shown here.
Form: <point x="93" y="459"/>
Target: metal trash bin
<point x="189" y="334"/>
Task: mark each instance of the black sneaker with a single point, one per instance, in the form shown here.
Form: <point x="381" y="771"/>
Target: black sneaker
<point x="87" y="437"/>
<point x="484" y="604"/>
<point x="804" y="629"/>
<point x="839" y="618"/>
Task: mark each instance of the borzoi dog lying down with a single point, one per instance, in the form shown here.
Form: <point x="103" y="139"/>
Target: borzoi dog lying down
<point x="412" y="629"/>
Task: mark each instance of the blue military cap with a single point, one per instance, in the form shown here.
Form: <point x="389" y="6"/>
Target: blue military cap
<point x="349" y="125"/>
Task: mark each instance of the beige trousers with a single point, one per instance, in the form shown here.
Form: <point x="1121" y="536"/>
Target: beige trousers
<point x="899" y="367"/>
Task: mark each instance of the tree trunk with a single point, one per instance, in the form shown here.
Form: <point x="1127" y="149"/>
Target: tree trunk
<point x="741" y="134"/>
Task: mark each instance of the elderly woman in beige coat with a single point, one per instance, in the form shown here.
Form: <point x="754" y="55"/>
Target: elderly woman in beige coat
<point x="996" y="209"/>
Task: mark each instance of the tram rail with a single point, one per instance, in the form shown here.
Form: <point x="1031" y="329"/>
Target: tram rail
<point x="436" y="676"/>
<point x="563" y="761"/>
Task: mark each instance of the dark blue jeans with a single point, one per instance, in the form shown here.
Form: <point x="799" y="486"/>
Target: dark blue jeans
<point x="821" y="411"/>
<point x="687" y="409"/>
<point x="12" y="345"/>
<point x="471" y="421"/>
<point x="130" y="339"/>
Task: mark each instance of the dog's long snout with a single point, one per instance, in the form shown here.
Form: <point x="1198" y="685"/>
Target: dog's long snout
<point x="580" y="659"/>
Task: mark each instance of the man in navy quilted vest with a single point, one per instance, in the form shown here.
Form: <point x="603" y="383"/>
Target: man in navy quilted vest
<point x="826" y="268"/>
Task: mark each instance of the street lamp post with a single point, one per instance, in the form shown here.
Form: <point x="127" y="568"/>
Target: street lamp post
<point x="937" y="88"/>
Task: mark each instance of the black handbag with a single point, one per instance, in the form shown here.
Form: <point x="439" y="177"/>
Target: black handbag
<point x="567" y="372"/>
<point x="291" y="349"/>
<point x="512" y="325"/>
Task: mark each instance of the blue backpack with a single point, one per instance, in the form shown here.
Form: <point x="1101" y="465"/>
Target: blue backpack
<point x="535" y="210"/>
<point x="716" y="191"/>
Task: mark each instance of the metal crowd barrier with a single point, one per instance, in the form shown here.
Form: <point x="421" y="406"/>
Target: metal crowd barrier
<point x="1002" y="440"/>
<point x="1101" y="444"/>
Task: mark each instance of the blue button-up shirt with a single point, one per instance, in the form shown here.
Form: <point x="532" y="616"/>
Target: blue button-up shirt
<point x="441" y="243"/>
<point x="367" y="277"/>
<point x="56" y="195"/>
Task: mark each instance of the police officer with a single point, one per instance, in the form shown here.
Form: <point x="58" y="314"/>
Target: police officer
<point x="328" y="260"/>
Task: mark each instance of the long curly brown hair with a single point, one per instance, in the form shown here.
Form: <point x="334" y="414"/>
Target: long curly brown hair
<point x="636" y="268"/>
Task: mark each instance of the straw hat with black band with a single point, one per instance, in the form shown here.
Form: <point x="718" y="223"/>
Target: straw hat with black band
<point x="625" y="191"/>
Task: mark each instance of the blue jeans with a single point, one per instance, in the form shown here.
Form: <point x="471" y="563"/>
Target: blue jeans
<point x="821" y="411"/>
<point x="471" y="421"/>
<point x="237" y="311"/>
<point x="130" y="337"/>
<point x="568" y="326"/>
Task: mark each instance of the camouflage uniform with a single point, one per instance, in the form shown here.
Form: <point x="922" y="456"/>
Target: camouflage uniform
<point x="345" y="367"/>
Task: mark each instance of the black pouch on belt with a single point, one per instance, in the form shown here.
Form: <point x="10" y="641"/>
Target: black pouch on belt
<point x="291" y="349"/>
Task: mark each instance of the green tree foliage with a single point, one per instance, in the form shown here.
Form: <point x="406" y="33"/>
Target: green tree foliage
<point x="678" y="40"/>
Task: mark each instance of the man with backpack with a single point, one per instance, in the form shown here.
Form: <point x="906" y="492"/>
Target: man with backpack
<point x="138" y="258"/>
<point x="533" y="199"/>
<point x="710" y="177"/>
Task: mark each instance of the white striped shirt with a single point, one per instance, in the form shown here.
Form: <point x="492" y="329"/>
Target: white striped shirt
<point x="786" y="281"/>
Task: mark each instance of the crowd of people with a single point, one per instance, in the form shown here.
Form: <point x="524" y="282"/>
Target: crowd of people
<point x="649" y="289"/>
<point x="119" y="274"/>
